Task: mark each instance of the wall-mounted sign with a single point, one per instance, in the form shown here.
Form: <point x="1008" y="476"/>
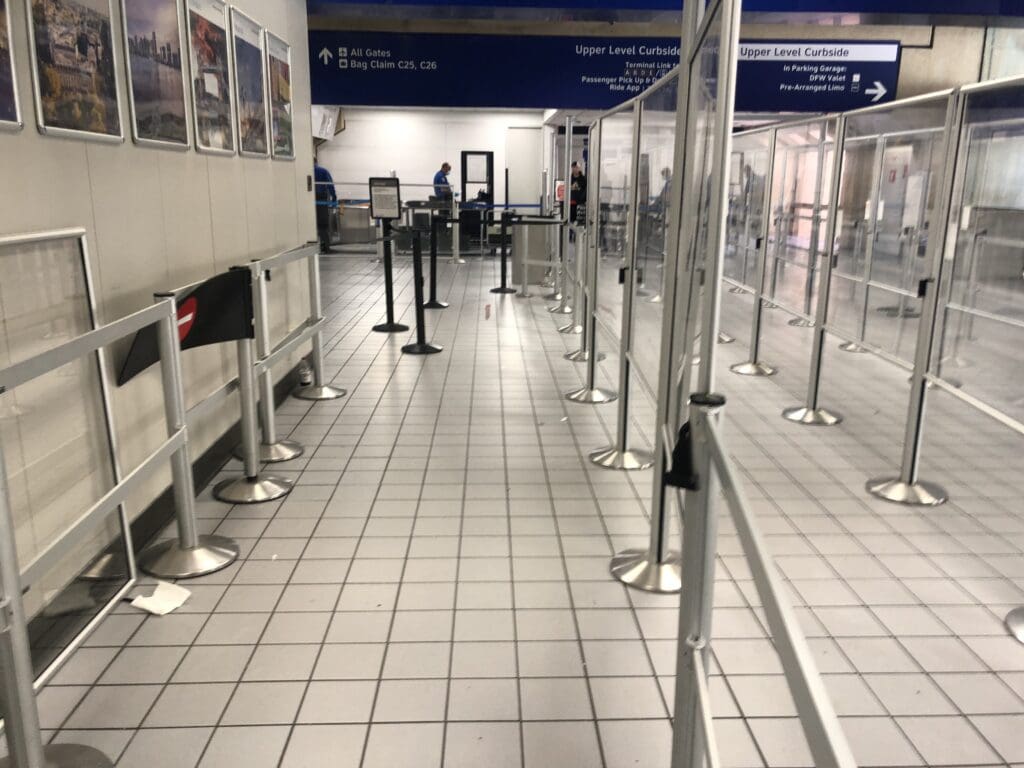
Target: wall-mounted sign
<point x="250" y="96"/>
<point x="212" y="103"/>
<point x="815" y="76"/>
<point x="527" y="72"/>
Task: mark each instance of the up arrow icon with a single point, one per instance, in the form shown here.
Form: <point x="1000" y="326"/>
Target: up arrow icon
<point x="325" y="56"/>
<point x="878" y="91"/>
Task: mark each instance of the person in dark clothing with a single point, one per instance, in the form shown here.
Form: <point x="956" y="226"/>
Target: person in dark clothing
<point x="442" y="189"/>
<point x="326" y="199"/>
<point x="577" y="191"/>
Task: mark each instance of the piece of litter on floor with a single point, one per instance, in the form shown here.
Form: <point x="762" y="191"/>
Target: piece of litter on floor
<point x="165" y="598"/>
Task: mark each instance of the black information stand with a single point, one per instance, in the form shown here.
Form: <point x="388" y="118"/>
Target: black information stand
<point x="389" y="290"/>
<point x="504" y="288"/>
<point x="434" y="303"/>
<point x="420" y="347"/>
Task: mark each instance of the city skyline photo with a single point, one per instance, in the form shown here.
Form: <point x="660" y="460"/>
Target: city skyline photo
<point x="154" y="62"/>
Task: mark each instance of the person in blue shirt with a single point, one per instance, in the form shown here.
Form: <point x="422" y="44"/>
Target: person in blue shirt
<point x="326" y="199"/>
<point x="442" y="189"/>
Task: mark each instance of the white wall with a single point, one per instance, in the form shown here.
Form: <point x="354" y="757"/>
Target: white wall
<point x="157" y="219"/>
<point x="414" y="143"/>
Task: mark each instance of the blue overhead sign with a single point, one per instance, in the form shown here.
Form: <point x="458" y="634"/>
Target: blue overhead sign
<point x="539" y="72"/>
<point x="917" y="7"/>
<point x="518" y="71"/>
<point x="815" y="76"/>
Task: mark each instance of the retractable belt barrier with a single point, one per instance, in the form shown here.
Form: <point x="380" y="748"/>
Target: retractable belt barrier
<point x="210" y="553"/>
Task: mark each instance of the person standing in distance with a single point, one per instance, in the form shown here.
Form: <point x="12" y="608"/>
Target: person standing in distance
<point x="326" y="199"/>
<point x="577" y="191"/>
<point x="442" y="189"/>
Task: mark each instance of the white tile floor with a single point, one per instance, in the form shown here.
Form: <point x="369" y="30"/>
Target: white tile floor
<point x="434" y="592"/>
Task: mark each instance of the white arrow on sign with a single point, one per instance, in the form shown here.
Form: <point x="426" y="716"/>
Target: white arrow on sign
<point x="878" y="91"/>
<point x="325" y="56"/>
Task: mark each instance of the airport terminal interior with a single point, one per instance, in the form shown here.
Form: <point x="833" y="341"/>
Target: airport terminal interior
<point x="523" y="384"/>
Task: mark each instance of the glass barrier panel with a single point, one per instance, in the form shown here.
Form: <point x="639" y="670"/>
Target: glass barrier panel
<point x="982" y="330"/>
<point x="615" y="198"/>
<point x="697" y="192"/>
<point x="891" y="167"/>
<point x="748" y="174"/>
<point x="800" y="178"/>
<point x="657" y="150"/>
<point x="57" y="450"/>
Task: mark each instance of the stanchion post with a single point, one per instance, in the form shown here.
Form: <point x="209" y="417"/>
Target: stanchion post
<point x="504" y="287"/>
<point x="456" y="235"/>
<point x="579" y="260"/>
<point x="190" y="555"/>
<point x="251" y="487"/>
<point x="620" y="455"/>
<point x="523" y="246"/>
<point x="21" y="712"/>
<point x="700" y="545"/>
<point x="811" y="412"/>
<point x="563" y="307"/>
<point x="754" y="366"/>
<point x="583" y="270"/>
<point x="271" y="449"/>
<point x="379" y="229"/>
<point x="590" y="392"/>
<point x="420" y="346"/>
<point x="390" y="326"/>
<point x="319" y="389"/>
<point x="433" y="303"/>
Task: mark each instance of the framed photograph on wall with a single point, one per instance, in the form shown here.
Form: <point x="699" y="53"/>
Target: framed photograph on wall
<point x="10" y="113"/>
<point x="210" y="60"/>
<point x="250" y="86"/>
<point x="156" y="81"/>
<point x="74" y="69"/>
<point x="279" y="86"/>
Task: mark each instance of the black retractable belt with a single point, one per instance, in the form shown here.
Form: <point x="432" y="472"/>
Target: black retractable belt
<point x="434" y="303"/>
<point x="503" y="288"/>
<point x="389" y="290"/>
<point x="420" y="347"/>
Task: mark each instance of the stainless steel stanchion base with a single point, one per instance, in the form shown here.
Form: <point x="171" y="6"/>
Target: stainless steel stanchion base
<point x="272" y="453"/>
<point x="560" y="309"/>
<point x="435" y="305"/>
<point x="801" y="322"/>
<point x="555" y="296"/>
<point x="851" y="346"/>
<point x="252" y="490"/>
<point x="313" y="392"/>
<point x="168" y="560"/>
<point x="457" y="261"/>
<point x="613" y="458"/>
<point x="919" y="494"/>
<point x="421" y="349"/>
<point x="1015" y="623"/>
<point x="524" y="294"/>
<point x="68" y="756"/>
<point x="499" y="289"/>
<point x="655" y="299"/>
<point x="571" y="328"/>
<point x="391" y="328"/>
<point x="634" y="568"/>
<point x="581" y="356"/>
<point x="725" y="338"/>
<point x="595" y="396"/>
<point x="820" y="417"/>
<point x="750" y="368"/>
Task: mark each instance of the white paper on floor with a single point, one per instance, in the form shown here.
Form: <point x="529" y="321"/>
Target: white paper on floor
<point x="165" y="598"/>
